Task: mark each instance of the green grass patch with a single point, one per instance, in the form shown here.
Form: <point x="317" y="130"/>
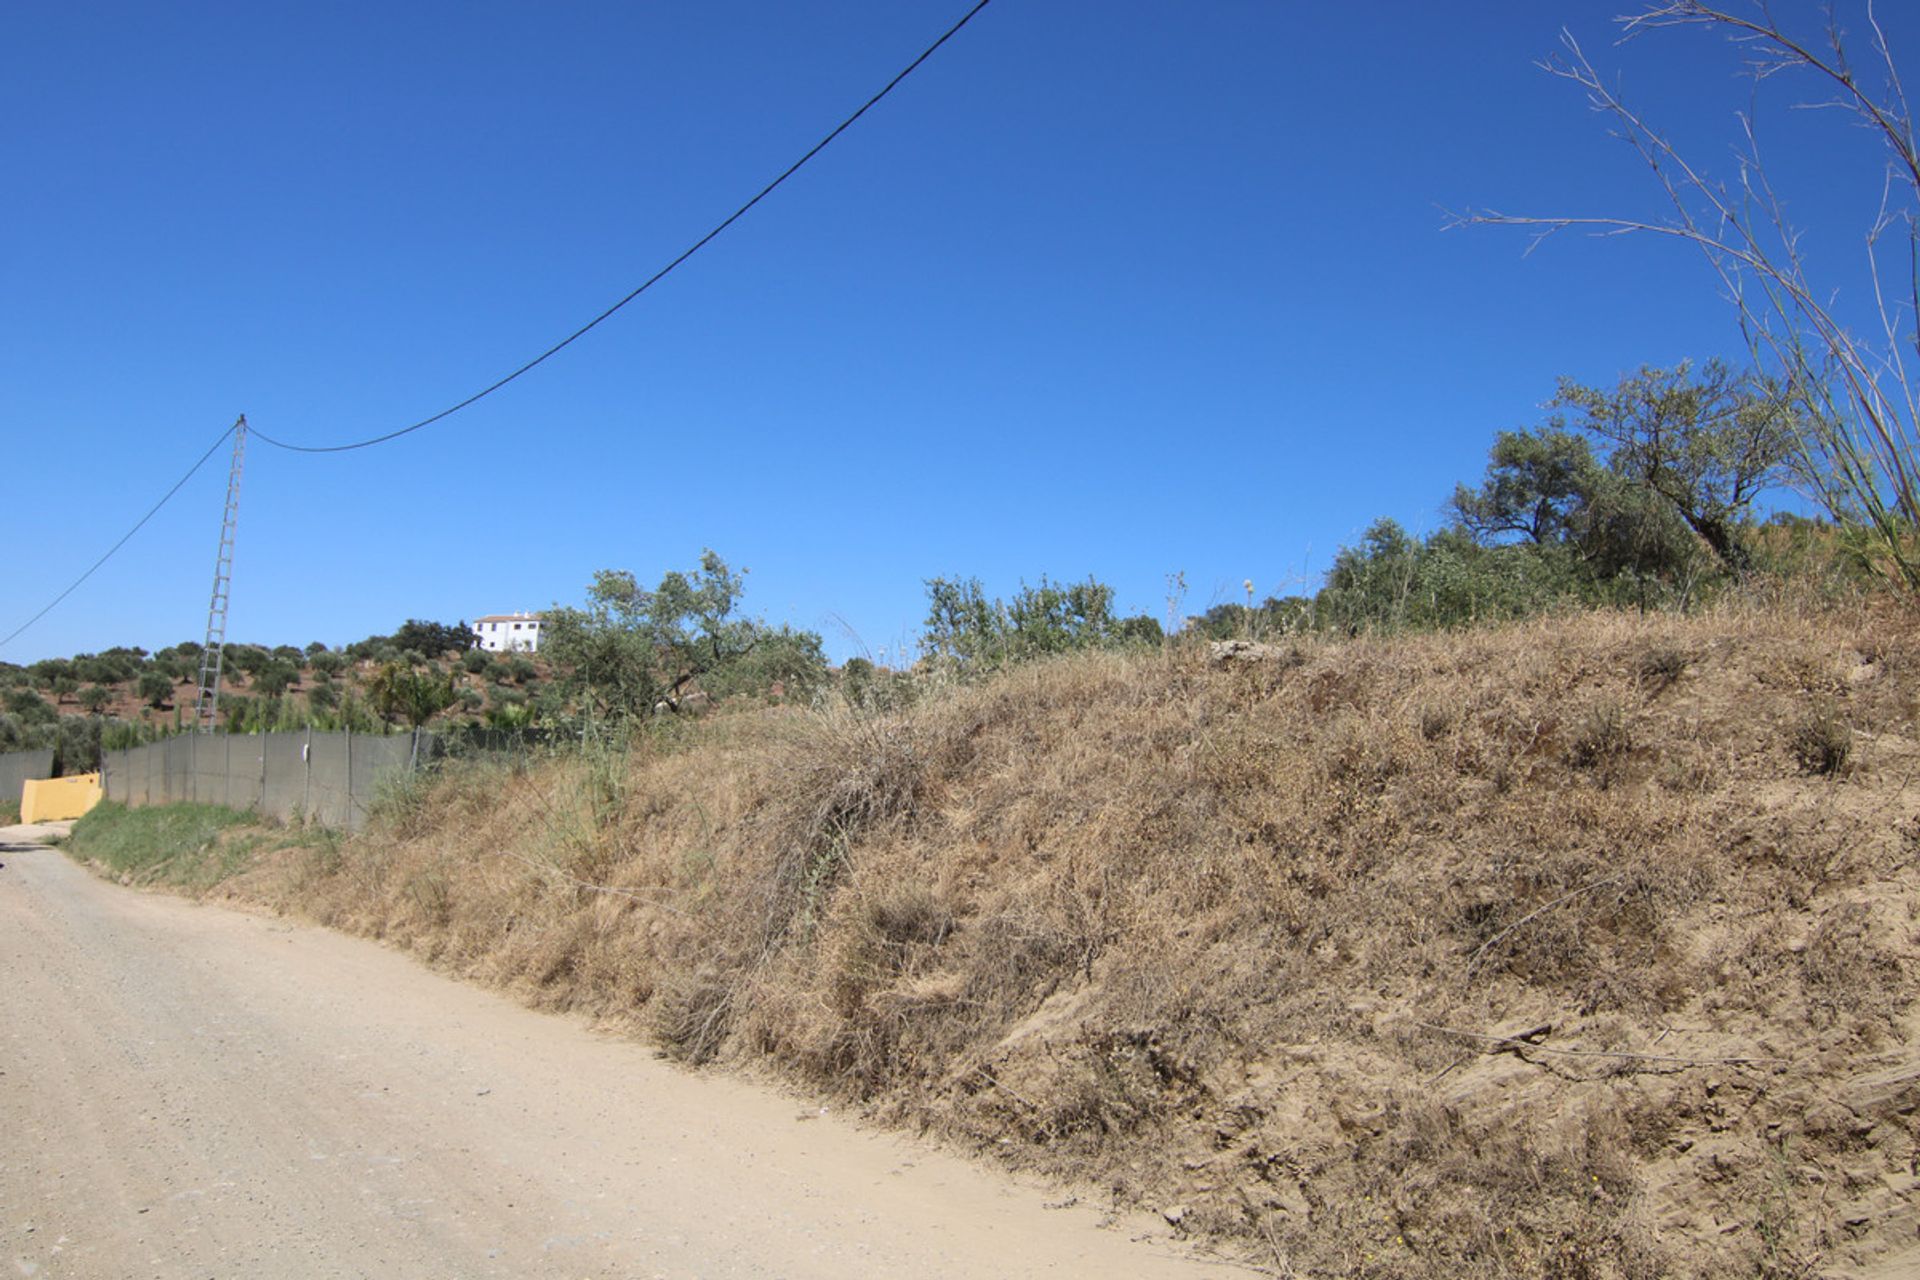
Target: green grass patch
<point x="191" y="845"/>
<point x="9" y="813"/>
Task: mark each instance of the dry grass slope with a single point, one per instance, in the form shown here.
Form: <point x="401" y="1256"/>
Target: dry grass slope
<point x="1578" y="948"/>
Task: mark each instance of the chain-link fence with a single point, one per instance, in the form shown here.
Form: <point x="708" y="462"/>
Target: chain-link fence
<point x="328" y="778"/>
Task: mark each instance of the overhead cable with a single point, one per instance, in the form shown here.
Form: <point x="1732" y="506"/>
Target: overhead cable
<point x="649" y="282"/>
<point x="530" y="365"/>
<point x="137" y="526"/>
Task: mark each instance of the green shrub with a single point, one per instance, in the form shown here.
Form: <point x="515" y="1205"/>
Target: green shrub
<point x="412" y="694"/>
<point x="47" y="670"/>
<point x="788" y="662"/>
<point x="246" y="658"/>
<point x="76" y="746"/>
<point x="276" y="677"/>
<point x="113" y="667"/>
<point x="432" y="639"/>
<point x="1142" y="630"/>
<point x="30" y="708"/>
<point x="970" y="630"/>
<point x="856" y="678"/>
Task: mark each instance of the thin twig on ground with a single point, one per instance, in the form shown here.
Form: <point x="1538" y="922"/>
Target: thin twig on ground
<point x="1523" y="1045"/>
<point x="1537" y="911"/>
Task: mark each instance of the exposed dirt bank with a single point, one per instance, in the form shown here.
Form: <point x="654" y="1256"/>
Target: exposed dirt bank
<point x="1577" y="948"/>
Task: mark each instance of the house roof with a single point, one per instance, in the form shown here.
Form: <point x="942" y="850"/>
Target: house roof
<point x="508" y="617"/>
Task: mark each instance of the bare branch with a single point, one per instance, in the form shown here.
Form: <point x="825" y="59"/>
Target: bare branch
<point x="1860" y="455"/>
<point x="1525" y="1044"/>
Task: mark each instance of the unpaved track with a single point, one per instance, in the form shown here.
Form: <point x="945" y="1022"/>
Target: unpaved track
<point x="187" y="1091"/>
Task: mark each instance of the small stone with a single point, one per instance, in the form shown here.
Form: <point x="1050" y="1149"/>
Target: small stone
<point x="1222" y="652"/>
<point x="1176" y="1215"/>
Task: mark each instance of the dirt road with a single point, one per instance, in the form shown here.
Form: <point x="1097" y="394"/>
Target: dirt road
<point x="187" y="1091"/>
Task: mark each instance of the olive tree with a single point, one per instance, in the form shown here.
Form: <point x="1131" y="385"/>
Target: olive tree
<point x="155" y="689"/>
<point x="632" y="651"/>
<point x="413" y="694"/>
<point x="1706" y="445"/>
<point x="1537" y="483"/>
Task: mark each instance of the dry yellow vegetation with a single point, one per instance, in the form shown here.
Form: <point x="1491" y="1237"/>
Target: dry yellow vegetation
<point x="1582" y="947"/>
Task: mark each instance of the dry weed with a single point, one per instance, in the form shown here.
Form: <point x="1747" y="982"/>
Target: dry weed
<point x="1225" y="939"/>
<point x="1821" y="740"/>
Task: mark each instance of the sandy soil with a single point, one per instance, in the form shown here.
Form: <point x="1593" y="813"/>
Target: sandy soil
<point x="191" y="1091"/>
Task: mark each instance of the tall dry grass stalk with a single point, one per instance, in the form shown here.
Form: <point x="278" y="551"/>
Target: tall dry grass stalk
<point x="1848" y="371"/>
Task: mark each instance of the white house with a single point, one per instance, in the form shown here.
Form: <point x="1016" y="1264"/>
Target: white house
<point x="508" y="632"/>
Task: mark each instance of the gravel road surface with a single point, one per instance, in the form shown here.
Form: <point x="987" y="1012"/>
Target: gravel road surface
<point x="189" y="1091"/>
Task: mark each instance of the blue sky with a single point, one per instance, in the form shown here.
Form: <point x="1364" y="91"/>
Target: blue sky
<point x="1113" y="288"/>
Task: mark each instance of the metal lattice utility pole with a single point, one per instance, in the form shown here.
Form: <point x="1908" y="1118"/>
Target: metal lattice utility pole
<point x="207" y="704"/>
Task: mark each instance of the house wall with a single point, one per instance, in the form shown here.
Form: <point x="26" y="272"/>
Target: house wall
<point x="508" y="635"/>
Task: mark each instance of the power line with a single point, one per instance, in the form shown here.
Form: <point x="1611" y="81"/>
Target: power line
<point x="124" y="538"/>
<point x="538" y="360"/>
<point x="650" y="281"/>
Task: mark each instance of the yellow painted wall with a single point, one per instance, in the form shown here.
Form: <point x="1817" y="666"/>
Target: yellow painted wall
<point x="56" y="799"/>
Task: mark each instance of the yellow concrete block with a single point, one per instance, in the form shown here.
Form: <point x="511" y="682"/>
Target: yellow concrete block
<point x="57" y="799"/>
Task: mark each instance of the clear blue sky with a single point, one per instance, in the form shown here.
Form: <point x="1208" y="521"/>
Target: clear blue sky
<point x="1117" y="288"/>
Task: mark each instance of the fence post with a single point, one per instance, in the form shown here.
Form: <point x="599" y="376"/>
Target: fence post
<point x="306" y="776"/>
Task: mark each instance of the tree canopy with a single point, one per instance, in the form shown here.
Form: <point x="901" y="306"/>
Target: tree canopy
<point x="631" y="651"/>
<point x="969" y="629"/>
<point x="1706" y="444"/>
